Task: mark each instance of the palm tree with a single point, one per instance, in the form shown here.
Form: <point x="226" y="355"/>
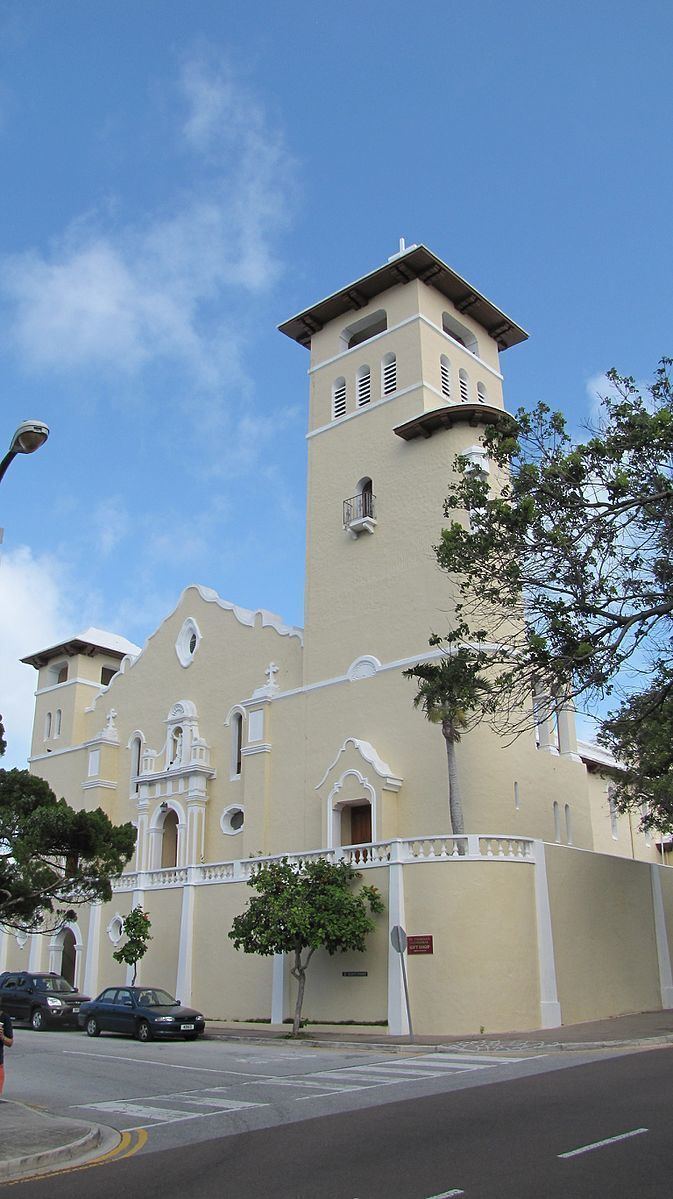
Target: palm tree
<point x="454" y="693"/>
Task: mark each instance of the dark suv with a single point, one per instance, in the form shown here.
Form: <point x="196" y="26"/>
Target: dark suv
<point x="43" y="999"/>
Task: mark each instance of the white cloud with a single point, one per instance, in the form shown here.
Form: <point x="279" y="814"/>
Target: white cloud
<point x="111" y="523"/>
<point x="35" y="612"/>
<point x="125" y="296"/>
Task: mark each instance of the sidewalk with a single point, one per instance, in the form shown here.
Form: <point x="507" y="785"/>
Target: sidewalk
<point x="631" y="1030"/>
<point x="33" y="1141"/>
<point x="36" y="1142"/>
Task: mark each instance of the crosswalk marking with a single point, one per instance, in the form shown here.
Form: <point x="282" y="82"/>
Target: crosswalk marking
<point x="211" y="1100"/>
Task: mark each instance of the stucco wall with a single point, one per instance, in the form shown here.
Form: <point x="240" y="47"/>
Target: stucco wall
<point x="603" y="929"/>
<point x="483" y="972"/>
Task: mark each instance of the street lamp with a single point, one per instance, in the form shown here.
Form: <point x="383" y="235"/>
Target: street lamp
<point x="29" y="436"/>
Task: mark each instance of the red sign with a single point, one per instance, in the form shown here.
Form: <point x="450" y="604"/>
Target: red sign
<point x="420" y="944"/>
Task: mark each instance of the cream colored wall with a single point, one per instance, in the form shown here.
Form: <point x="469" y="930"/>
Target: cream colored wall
<point x="382" y="593"/>
<point x="398" y="303"/>
<point x="433" y="305"/>
<point x="483" y="972"/>
<point x="158" y="967"/>
<point x="227" y="984"/>
<point x="331" y="997"/>
<point x="630" y="840"/>
<point x="603" y="929"/>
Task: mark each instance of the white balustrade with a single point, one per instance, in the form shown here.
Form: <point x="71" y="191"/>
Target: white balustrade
<point x="440" y="848"/>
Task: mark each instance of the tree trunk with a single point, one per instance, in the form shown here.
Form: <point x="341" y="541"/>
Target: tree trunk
<point x="455" y="797"/>
<point x="299" y="972"/>
<point x="300" y="975"/>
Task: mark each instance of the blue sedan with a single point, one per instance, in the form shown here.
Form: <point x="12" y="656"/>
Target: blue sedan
<point x="142" y="1012"/>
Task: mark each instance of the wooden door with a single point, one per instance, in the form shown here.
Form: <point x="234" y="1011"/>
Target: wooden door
<point x="361" y="824"/>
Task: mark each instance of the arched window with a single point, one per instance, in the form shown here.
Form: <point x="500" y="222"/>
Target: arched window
<point x="364" y="329"/>
<point x="47" y="726"/>
<point x="236" y="743"/>
<point x="459" y="333"/>
<point x="557" y="823"/>
<point x="169" y="841"/>
<point x="136" y="759"/>
<point x="445" y="376"/>
<point x="62" y="676"/>
<point x="481" y="393"/>
<point x="363" y="386"/>
<point x="614" y="829"/>
<point x="569" y="826"/>
<point x="366" y="493"/>
<point x="464" y="386"/>
<point x="338" y="398"/>
<point x="388" y="374"/>
<point x="57" y="722"/>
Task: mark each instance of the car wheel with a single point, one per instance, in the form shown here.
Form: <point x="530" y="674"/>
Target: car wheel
<point x="37" y="1020"/>
<point x="92" y="1029"/>
<point x="144" y="1032"/>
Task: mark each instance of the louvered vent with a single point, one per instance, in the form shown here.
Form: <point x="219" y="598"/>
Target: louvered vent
<point x="339" y="399"/>
<point x="389" y="374"/>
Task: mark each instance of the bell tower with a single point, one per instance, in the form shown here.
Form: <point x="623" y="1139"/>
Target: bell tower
<point x="404" y="373"/>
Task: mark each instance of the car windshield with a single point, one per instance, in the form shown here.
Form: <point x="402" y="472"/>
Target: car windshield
<point x="53" y="984"/>
<point x="156" y="998"/>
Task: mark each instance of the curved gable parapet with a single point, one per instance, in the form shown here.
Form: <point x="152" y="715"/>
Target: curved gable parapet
<point x="247" y="616"/>
<point x="365" y="749"/>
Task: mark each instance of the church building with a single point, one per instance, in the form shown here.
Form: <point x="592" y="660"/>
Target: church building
<point x="232" y="735"/>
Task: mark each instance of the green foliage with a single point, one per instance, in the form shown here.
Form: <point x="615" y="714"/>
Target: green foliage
<point x="3" y="743"/>
<point x="453" y="691"/>
<point x="640" y="735"/>
<point x="53" y="858"/>
<point x="563" y="560"/>
<point x="302" y="908"/>
<point x="137" y="927"/>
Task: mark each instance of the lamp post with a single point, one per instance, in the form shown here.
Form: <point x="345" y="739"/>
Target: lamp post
<point x="29" y="436"/>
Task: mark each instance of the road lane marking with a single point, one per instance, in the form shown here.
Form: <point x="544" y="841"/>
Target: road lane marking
<point x="127" y="1147"/>
<point x="623" y="1136"/>
<point x="446" y="1194"/>
<point x="113" y="1057"/>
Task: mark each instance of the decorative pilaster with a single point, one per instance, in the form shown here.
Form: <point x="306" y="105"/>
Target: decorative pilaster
<point x="92" y="957"/>
<point x="183" y="982"/>
<point x="550" y="1008"/>
<point x="661" y="936"/>
<point x="398" y="1023"/>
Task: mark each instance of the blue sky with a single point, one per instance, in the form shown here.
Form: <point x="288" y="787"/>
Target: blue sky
<point x="179" y="177"/>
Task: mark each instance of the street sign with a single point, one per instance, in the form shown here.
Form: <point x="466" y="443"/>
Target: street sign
<point x="398" y="938"/>
<point x="422" y="943"/>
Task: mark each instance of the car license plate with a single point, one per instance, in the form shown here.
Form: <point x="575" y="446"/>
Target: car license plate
<point x="186" y="1028"/>
<point x="75" y="1007"/>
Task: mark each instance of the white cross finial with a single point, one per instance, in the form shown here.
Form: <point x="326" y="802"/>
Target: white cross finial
<point x="271" y="672"/>
<point x="402" y="245"/>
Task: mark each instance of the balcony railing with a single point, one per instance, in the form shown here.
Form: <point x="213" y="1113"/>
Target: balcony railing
<point x="360" y="512"/>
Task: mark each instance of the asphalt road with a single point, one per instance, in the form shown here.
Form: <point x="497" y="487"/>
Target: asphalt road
<point x="596" y="1130"/>
<point x="181" y="1093"/>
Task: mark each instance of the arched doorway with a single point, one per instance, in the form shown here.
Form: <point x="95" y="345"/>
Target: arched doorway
<point x="169" y="840"/>
<point x="68" y="955"/>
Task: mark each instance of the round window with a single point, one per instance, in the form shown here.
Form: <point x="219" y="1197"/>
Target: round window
<point x="232" y="820"/>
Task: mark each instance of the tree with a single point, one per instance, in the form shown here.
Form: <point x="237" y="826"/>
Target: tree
<point x="639" y="734"/>
<point x="301" y="908"/>
<point x="52" y="858"/>
<point x="453" y="692"/>
<point x="137" y="927"/>
<point x="3" y="743"/>
<point x="562" y="558"/>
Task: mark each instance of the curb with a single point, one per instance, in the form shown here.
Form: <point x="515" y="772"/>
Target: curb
<point x="44" y="1161"/>
<point x="316" y="1042"/>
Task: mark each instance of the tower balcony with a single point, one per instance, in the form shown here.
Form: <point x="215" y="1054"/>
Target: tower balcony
<point x="359" y="514"/>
